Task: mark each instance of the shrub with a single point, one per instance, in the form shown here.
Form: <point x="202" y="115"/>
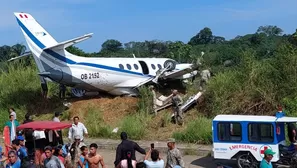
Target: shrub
<point x="197" y="131"/>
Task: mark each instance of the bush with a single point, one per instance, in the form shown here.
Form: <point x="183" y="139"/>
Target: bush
<point x="95" y="123"/>
<point x="197" y="131"/>
<point x="135" y="125"/>
<point x="145" y="104"/>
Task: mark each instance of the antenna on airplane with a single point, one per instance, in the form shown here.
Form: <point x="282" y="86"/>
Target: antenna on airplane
<point x="133" y="55"/>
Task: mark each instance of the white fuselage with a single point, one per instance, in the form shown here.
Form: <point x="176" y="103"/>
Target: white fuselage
<point x="116" y="76"/>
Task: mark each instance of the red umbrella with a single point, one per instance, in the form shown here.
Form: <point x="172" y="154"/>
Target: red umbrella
<point x="43" y="125"/>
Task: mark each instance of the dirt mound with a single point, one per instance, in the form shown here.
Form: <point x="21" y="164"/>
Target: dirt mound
<point x="112" y="109"/>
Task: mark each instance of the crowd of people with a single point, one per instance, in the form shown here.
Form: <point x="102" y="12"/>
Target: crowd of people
<point x="32" y="148"/>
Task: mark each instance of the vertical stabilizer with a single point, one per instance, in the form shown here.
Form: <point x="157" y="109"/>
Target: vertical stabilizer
<point x="34" y="33"/>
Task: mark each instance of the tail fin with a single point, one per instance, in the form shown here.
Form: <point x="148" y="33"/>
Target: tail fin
<point x="34" y="33"/>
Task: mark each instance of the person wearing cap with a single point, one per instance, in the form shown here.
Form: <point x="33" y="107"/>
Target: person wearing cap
<point x="127" y="148"/>
<point x="21" y="152"/>
<point x="22" y="141"/>
<point x="177" y="101"/>
<point x="266" y="162"/>
<point x="174" y="157"/>
<point x="51" y="160"/>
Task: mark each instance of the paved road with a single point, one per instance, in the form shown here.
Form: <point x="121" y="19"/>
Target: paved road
<point x="191" y="161"/>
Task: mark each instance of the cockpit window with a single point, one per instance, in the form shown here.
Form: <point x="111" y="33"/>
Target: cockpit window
<point x="129" y="66"/>
<point x="153" y="66"/>
<point x="121" y="66"/>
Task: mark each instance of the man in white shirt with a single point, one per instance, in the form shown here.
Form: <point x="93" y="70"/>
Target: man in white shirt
<point x="12" y="112"/>
<point x="156" y="162"/>
<point x="57" y="134"/>
<point x="77" y="128"/>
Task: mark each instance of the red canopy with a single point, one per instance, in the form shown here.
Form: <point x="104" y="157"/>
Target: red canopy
<point x="43" y="125"/>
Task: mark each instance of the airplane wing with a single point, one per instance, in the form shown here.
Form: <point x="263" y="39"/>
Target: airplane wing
<point x="135" y="82"/>
<point x="28" y="53"/>
<point x="68" y="43"/>
<point x="176" y="73"/>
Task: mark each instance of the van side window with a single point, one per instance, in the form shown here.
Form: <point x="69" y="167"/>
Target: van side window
<point x="261" y="132"/>
<point x="229" y="131"/>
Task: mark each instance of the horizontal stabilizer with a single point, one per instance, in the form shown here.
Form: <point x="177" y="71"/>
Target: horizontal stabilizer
<point x="65" y="44"/>
<point x="28" y="53"/>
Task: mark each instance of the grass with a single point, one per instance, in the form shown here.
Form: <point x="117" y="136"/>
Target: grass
<point x="135" y="125"/>
<point x="95" y="123"/>
<point x="197" y="131"/>
<point x="253" y="87"/>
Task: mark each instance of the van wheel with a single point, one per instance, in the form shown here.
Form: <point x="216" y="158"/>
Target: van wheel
<point x="246" y="160"/>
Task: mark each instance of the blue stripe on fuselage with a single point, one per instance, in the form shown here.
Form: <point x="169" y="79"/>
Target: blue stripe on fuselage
<point x="69" y="61"/>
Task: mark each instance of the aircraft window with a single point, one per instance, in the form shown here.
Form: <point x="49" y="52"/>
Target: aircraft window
<point x="261" y="132"/>
<point x="229" y="131"/>
<point x="159" y="66"/>
<point x="136" y="66"/>
<point x="153" y="66"/>
<point x="129" y="66"/>
<point x="121" y="66"/>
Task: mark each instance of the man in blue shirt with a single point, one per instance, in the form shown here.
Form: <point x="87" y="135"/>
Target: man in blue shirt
<point x="21" y="152"/>
<point x="156" y="162"/>
<point x="266" y="162"/>
<point x="14" y="161"/>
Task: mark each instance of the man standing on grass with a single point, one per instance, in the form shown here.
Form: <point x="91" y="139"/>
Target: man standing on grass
<point x="177" y="102"/>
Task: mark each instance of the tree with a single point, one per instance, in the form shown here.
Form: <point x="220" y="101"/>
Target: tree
<point x="293" y="38"/>
<point x="18" y="49"/>
<point x="179" y="51"/>
<point x="156" y="47"/>
<point x="76" y="51"/>
<point x="111" y="45"/>
<point x="258" y="38"/>
<point x="203" y="37"/>
<point x="218" y="40"/>
<point x="270" y="30"/>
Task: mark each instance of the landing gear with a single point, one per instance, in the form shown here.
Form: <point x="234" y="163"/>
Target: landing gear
<point x="246" y="160"/>
<point x="78" y="92"/>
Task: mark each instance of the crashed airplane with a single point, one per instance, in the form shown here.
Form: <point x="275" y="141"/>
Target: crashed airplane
<point x="116" y="76"/>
